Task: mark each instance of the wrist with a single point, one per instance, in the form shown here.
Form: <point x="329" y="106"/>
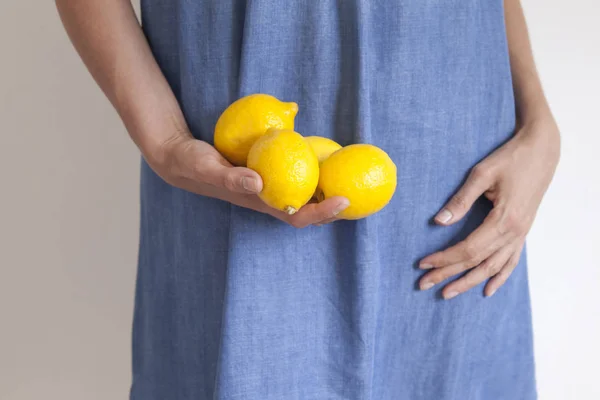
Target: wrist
<point x="158" y="138"/>
<point x="158" y="149"/>
<point x="540" y="123"/>
<point x="542" y="133"/>
<point x="154" y="121"/>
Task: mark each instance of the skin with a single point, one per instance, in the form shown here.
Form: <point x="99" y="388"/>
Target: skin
<point x="514" y="178"/>
<point x="111" y="43"/>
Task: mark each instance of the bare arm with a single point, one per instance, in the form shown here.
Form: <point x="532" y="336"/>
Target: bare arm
<point x="529" y="95"/>
<point x="112" y="45"/>
<point x="515" y="178"/>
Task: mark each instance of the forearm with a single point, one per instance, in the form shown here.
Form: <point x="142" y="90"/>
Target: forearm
<point x="111" y="43"/>
<point x="529" y="96"/>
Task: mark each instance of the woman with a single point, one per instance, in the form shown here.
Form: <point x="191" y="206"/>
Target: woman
<point x="234" y="301"/>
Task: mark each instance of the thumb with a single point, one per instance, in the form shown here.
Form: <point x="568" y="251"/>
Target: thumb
<point x="241" y="180"/>
<point x="476" y="184"/>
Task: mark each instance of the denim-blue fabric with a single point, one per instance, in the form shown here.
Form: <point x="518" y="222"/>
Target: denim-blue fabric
<point x="232" y="304"/>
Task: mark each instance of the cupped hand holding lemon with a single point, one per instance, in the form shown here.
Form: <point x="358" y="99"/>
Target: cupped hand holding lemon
<point x="196" y="166"/>
<point x="258" y="131"/>
<point x="285" y="170"/>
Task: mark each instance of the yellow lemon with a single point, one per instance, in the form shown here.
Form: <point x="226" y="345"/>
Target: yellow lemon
<point x="362" y="173"/>
<point x="247" y="119"/>
<point x="288" y="167"/>
<point x="322" y="147"/>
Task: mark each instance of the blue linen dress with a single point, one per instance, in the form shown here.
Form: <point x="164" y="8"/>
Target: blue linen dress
<point x="232" y="304"/>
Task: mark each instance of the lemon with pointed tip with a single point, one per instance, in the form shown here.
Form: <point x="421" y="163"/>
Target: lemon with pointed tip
<point x="323" y="147"/>
<point x="288" y="167"/>
<point x="362" y="173"/>
<point x="247" y="119"/>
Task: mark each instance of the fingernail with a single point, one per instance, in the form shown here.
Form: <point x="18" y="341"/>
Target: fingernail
<point x="341" y="207"/>
<point x="426" y="285"/>
<point x="444" y="216"/>
<point x="425" y="266"/>
<point x="250" y="184"/>
<point x="490" y="294"/>
<point x="450" y="295"/>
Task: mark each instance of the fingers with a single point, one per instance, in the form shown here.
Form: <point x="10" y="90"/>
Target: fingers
<point x="479" y="245"/>
<point x="201" y="163"/>
<point x="477" y="183"/>
<point x="498" y="267"/>
<point x="242" y="180"/>
<point x="439" y="275"/>
<point x="501" y="277"/>
<point x="236" y="179"/>
<point x="315" y="213"/>
<point x="487" y="269"/>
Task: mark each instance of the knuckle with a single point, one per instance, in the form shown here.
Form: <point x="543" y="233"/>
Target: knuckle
<point x="513" y="262"/>
<point x="515" y="222"/>
<point x="501" y="228"/>
<point x="459" y="201"/>
<point x="490" y="268"/>
<point x="229" y="182"/>
<point x="498" y="223"/>
<point x="324" y="215"/>
<point x="471" y="251"/>
<point x="200" y="169"/>
<point x="481" y="172"/>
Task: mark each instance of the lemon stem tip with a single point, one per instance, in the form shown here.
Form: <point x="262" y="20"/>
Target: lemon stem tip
<point x="289" y="210"/>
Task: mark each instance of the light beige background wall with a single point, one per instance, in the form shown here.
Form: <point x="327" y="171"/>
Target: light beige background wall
<point x="68" y="219"/>
<point x="69" y="214"/>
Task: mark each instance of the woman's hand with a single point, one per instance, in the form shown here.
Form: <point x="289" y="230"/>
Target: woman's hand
<point x="112" y="44"/>
<point x="515" y="178"/>
<point x="198" y="167"/>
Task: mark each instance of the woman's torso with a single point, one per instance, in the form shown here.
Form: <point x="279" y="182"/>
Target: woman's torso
<point x="233" y="304"/>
